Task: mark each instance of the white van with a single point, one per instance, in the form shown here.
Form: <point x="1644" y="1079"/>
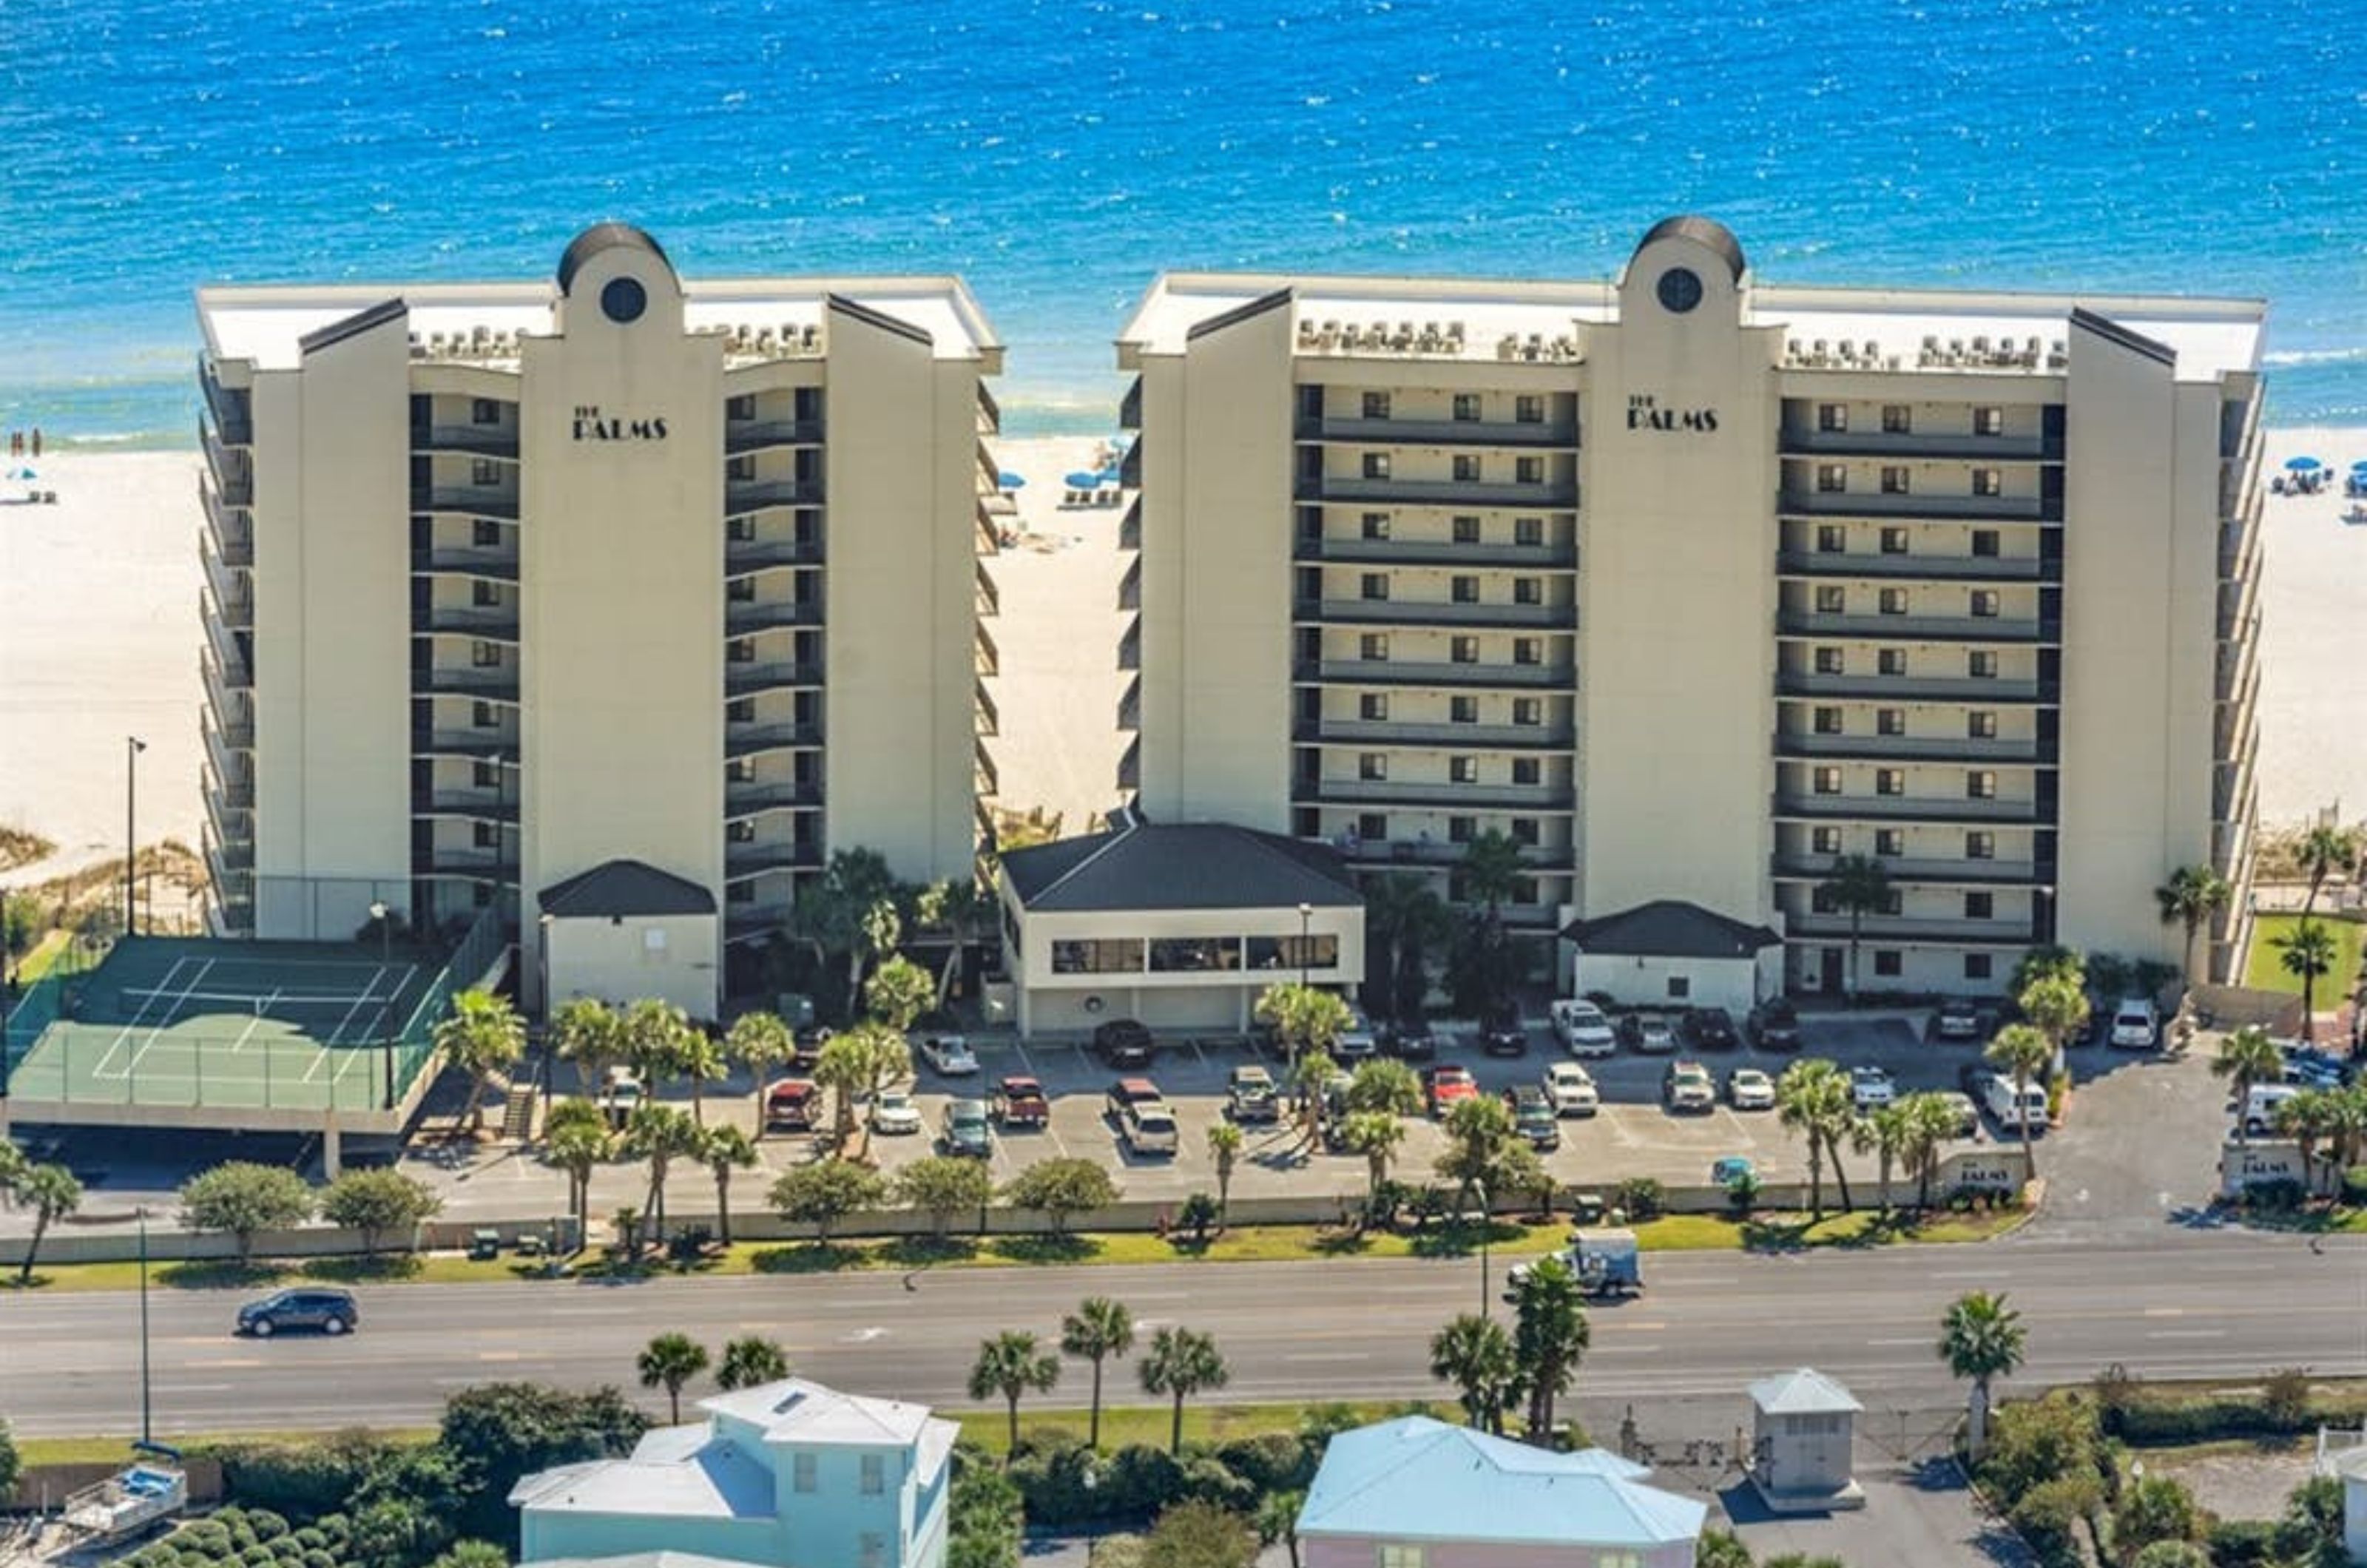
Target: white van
<point x="2260" y="1109"/>
<point x="1997" y="1099"/>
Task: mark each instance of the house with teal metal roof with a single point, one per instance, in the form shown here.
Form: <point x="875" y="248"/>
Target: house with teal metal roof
<point x="1417" y="1492"/>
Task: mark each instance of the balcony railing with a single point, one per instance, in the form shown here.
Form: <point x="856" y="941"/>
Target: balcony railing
<point x="753" y="797"/>
<point x="472" y="500"/>
<point x="481" y="745"/>
<point x="1918" y="628"/>
<point x="1881" y="688"/>
<point x="746" y="680"/>
<point x="990" y="596"/>
<point x="231" y="707"/>
<point x="460" y="561"/>
<point x="743" y="617"/>
<point x="1935" y="873"/>
<point x="753" y="495"/>
<point x="1910" y="444"/>
<point x="1433" y="792"/>
<point x="465" y="681"/>
<point x="1436" y="492"/>
<point x="990" y="412"/>
<point x="1914" y="504"/>
<point x="1436" y="552"/>
<point x="232" y="528"/>
<point x="1391" y="672"/>
<point x="491" y="624"/>
<point x="1435" y="612"/>
<point x="232" y="589"/>
<point x="744" y="556"/>
<point x="482" y="865"/>
<point x="1440" y="852"/>
<point x="752" y="739"/>
<point x="232" y="470"/>
<point x="482" y="804"/>
<point x="988" y="654"/>
<point x="1129" y="408"/>
<point x="990" y="716"/>
<point x="230" y="771"/>
<point x="229" y="655"/>
<point x="1941" y="808"/>
<point x="746" y="923"/>
<point x="1129" y="527"/>
<point x="2010" y="932"/>
<point x="233" y="409"/>
<point x="756" y="435"/>
<point x="1440" y="432"/>
<point x="1913" y="748"/>
<point x="1951" y="569"/>
<point x="743" y="860"/>
<point x="1437" y="736"/>
<point x="229" y="791"/>
<point x="986" y="775"/>
<point x="476" y="440"/>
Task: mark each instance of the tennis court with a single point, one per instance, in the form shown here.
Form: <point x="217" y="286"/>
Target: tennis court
<point x="175" y="1021"/>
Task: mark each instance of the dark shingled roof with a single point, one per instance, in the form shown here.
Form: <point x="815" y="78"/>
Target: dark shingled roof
<point x="1670" y="928"/>
<point x="1706" y="231"/>
<point x="626" y="887"/>
<point x="603" y="237"/>
<point x="1182" y="865"/>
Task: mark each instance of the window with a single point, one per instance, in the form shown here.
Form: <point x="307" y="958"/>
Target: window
<point x="740" y="408"/>
<point x="1988" y="481"/>
<point x="740" y="530"/>
<point x="741" y="891"/>
<point x="1528" y="710"/>
<point x="1985" y="543"/>
<point x="1374" y="708"/>
<point x="1887" y="962"/>
<point x="1889" y="842"/>
<point x="1462" y="770"/>
<point x="739" y="710"/>
<point x="801" y="1472"/>
<point x="487" y="775"/>
<point x="484" y="471"/>
<point x="1466" y="468"/>
<point x="1376" y="585"/>
<point x="1832" y="416"/>
<point x="1980" y="844"/>
<point x="1988" y="422"/>
<point x="484" y="717"/>
<point x="1529" y="470"/>
<point x="1397" y="1554"/>
<point x="1980" y="725"/>
<point x="1827" y="721"/>
<point x="1826" y="781"/>
<point x="1977" y="966"/>
<point x="1467" y="530"/>
<point x="1891" y="661"/>
<point x="1980" y="906"/>
<point x="1376" y="405"/>
<point x="1985" y="603"/>
<point x="1528" y="650"/>
<point x="1825" y="840"/>
<point x="485" y="655"/>
<point x="1890" y="721"/>
<point x="1463" y="590"/>
<point x="1529" y="408"/>
<point x="1463" y="710"/>
<point x="1894" y="480"/>
<point x="1524" y="831"/>
<point x="1373" y="648"/>
<point x="1832" y="478"/>
<point x="488" y="834"/>
<point x="1831" y="599"/>
<point x="739" y="832"/>
<point x="1896" y="420"/>
<point x="1679" y="988"/>
<point x="1528" y="590"/>
<point x="739" y="471"/>
<point x="1982" y="663"/>
<point x="1829" y="661"/>
<point x="1467" y="407"/>
<point x="1372" y="765"/>
<point x="1890" y="780"/>
<point x="1980" y="783"/>
<point x="1462" y="829"/>
<point x="1821" y="900"/>
<point x="1372" y="826"/>
<point x="1894" y="541"/>
<point x="740" y="769"/>
<point x="485" y="594"/>
<point x="1892" y="601"/>
<point x="484" y="533"/>
<point x="741" y="650"/>
<point x="484" y="411"/>
<point x="1832" y="539"/>
<point x="875" y="1474"/>
<point x="1377" y="524"/>
<point x="1465" y="650"/>
<point x="1527" y="771"/>
<point x="1529" y="531"/>
<point x="1376" y="465"/>
<point x="740" y="589"/>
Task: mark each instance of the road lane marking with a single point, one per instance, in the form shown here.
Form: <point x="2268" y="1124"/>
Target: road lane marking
<point x="2186" y="1334"/>
<point x="1330" y="1356"/>
<point x="500" y="1355"/>
<point x="1648" y="1345"/>
<point x="1894" y="1344"/>
<point x="2165" y="1312"/>
<point x="215" y="1363"/>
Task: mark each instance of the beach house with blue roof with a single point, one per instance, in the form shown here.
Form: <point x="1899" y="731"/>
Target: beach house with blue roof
<point x="787" y="1473"/>
<point x="1421" y="1493"/>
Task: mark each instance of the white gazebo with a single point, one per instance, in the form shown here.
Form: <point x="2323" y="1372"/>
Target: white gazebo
<point x="1804" y="1427"/>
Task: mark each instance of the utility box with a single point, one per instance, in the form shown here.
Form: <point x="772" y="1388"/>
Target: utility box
<point x="1805" y="1429"/>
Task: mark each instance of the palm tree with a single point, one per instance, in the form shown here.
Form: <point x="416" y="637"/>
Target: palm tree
<point x="2323" y="849"/>
<point x="697" y="1058"/>
<point x="1304" y="1018"/>
<point x="2346" y="1123"/>
<point x="1980" y="1338"/>
<point x="2307" y="952"/>
<point x="586" y="1032"/>
<point x="1858" y="886"/>
<point x="1890" y="1132"/>
<point x="1311" y="1078"/>
<point x="898" y="993"/>
<point x="1225" y="1141"/>
<point x="1097" y="1330"/>
<point x="1385" y="1084"/>
<point x="53" y="1192"/>
<point x="1374" y="1134"/>
<point x="2247" y="1057"/>
<point x="2307" y="1118"/>
<point x="1812" y="1098"/>
<point x="660" y="1134"/>
<point x="751" y="1361"/>
<point x="671" y="1361"/>
<point x="649" y="1033"/>
<point x="2021" y="1052"/>
<point x="1549" y="1336"/>
<point x="963" y="910"/>
<point x="878" y="929"/>
<point x="1490" y="869"/>
<point x="1010" y="1364"/>
<point x="1403" y="917"/>
<point x="1181" y="1362"/>
<point x="2057" y="1006"/>
<point x="724" y="1148"/>
<point x="578" y="1141"/>
<point x="484" y="1035"/>
<point x="1474" y="1354"/>
<point x="844" y="1069"/>
<point x="764" y="1042"/>
<point x="1931" y="1122"/>
<point x="2191" y="896"/>
<point x="1277" y="1520"/>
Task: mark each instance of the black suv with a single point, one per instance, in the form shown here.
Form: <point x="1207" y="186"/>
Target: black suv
<point x="1410" y="1040"/>
<point x="1711" y="1029"/>
<point x="1122" y="1043"/>
<point x="1775" y="1025"/>
<point x="331" y="1311"/>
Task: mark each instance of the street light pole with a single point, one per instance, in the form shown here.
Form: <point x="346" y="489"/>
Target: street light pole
<point x="146" y="1434"/>
<point x="133" y="747"/>
<point x="1306" y="914"/>
<point x="542" y="987"/>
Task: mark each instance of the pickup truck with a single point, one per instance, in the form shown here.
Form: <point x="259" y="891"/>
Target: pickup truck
<point x="1020" y="1102"/>
<point x="1250" y="1095"/>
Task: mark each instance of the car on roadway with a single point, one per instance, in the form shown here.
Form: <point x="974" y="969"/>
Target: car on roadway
<point x="315" y="1307"/>
<point x="1582" y="1028"/>
<point x="1748" y="1089"/>
<point x="1775" y="1025"/>
<point x="1446" y="1084"/>
<point x="793" y="1105"/>
<point x="1961" y="1106"/>
<point x="1358" y="1041"/>
<point x="1534" y="1117"/>
<point x="1648" y="1032"/>
<point x="1959" y="1019"/>
<point x="1572" y="1090"/>
<point x="1871" y="1088"/>
<point x="1686" y="1086"/>
<point x="2135" y="1025"/>
<point x="1019" y="1102"/>
<point x="1730" y="1169"/>
<point x="1148" y="1127"/>
<point x="1503" y="1036"/>
<point x="1410" y="1040"/>
<point x="1124" y="1042"/>
<point x="1711" y="1029"/>
<point x="1130" y="1091"/>
<point x="949" y="1054"/>
<point x="895" y="1113"/>
<point x="964" y="1131"/>
<point x="1249" y="1094"/>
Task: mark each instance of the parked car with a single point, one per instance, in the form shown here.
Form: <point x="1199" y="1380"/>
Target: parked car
<point x="1504" y="1037"/>
<point x="313" y="1308"/>
<point x="1871" y="1088"/>
<point x="806" y="1044"/>
<point x="1686" y="1086"/>
<point x="792" y="1105"/>
<point x="1124" y="1042"/>
<point x="1020" y="1102"/>
<point x="1649" y="1033"/>
<point x="2135" y="1025"/>
<point x="2261" y="1107"/>
<point x="1249" y="1094"/>
<point x="620" y="1095"/>
<point x="1974" y="1077"/>
<point x="1358" y="1041"/>
<point x="1959" y="1019"/>
<point x="1968" y="1114"/>
<point x="1130" y="1091"/>
<point x="948" y="1054"/>
<point x="1410" y="1040"/>
<point x="1775" y="1025"/>
<point x="1571" y="1088"/>
<point x="964" y="1131"/>
<point x="1148" y="1127"/>
<point x="2012" y="1110"/>
<point x="1534" y="1117"/>
<point x="1731" y="1168"/>
<point x="1582" y="1028"/>
<point x="1748" y="1089"/>
<point x="2306" y="1066"/>
<point x="1711" y="1029"/>
<point x="895" y="1113"/>
<point x="1443" y="1085"/>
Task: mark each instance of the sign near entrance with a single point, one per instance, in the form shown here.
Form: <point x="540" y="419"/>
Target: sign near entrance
<point x="591" y="424"/>
<point x="1644" y="413"/>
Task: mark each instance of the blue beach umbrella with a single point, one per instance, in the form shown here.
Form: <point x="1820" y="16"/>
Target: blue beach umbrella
<point x="1109" y="475"/>
<point x="23" y="474"/>
<point x="1010" y="480"/>
<point x="2302" y="465"/>
<point x="1082" y="480"/>
<point x="2359" y="466"/>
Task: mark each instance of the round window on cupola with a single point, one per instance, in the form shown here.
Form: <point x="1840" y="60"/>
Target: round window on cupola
<point x="623" y="300"/>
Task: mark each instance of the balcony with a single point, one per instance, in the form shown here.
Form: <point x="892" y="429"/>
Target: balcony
<point x="1433" y="612"/>
<point x="990" y="412"/>
<point x="2238" y="607"/>
<point x="1887" y="688"/>
<point x="742" y="496"/>
<point x="232" y="528"/>
<point x="746" y="923"/>
<point x="473" y="440"/>
<point x="1918" y="628"/>
<point x="1436" y="737"/>
<point x="493" y="744"/>
<point x="230" y="409"/>
<point x="1435" y="493"/>
<point x="743" y="860"/>
<point x="225" y="731"/>
<point x="1130" y="708"/>
<point x="229" y="791"/>
<point x="990" y="597"/>
<point x="231" y="773"/>
<point x="1474" y="677"/>
<point x="232" y="668"/>
<point x="457" y="560"/>
<point x="757" y="435"/>
<point x="477" y="863"/>
<point x="229" y="597"/>
<point x="1129" y="527"/>
<point x="234" y="858"/>
<point x="1927" y="873"/>
<point x="754" y="740"/>
<point x="2231" y="787"/>
<point x="1434" y="552"/>
<point x="1912" y="748"/>
<point x="745" y="618"/>
<point x="1902" y="807"/>
<point x="752" y="797"/>
<point x="1946" y="569"/>
<point x="987" y="657"/>
<point x="232" y="707"/>
<point x="1129" y="647"/>
<point x="1912" y="504"/>
<point x="2008" y="932"/>
<point x="989" y="532"/>
<point x="747" y="680"/>
<point x="1433" y="792"/>
<point x="1909" y="445"/>
<point x="742" y="556"/>
<point x="487" y="623"/>
<point x="2239" y="540"/>
<point x="1431" y="852"/>
<point x="2235" y="666"/>
<point x="990" y="716"/>
<point x="234" y="472"/>
<point x="1129" y="408"/>
<point x="1440" y="432"/>
<point x="985" y="775"/>
<point x="476" y="805"/>
<point x="1130" y="764"/>
<point x="474" y="501"/>
<point x="491" y="685"/>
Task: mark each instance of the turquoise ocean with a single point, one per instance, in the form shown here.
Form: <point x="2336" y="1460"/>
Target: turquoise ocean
<point x="1059" y="152"/>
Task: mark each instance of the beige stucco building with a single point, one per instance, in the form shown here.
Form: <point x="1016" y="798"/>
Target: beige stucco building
<point x="508" y="582"/>
<point x="1692" y="584"/>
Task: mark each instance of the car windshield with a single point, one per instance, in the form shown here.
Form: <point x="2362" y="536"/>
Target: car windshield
<point x="1154" y="1120"/>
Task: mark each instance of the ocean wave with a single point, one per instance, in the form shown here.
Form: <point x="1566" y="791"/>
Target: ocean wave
<point x="2355" y="355"/>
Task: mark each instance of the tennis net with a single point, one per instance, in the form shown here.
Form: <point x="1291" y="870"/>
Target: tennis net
<point x="163" y="1005"/>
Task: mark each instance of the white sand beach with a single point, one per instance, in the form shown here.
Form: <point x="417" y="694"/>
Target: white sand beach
<point x="99" y="638"/>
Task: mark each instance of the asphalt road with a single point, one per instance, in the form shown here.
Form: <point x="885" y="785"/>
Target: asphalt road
<point x="2179" y="1305"/>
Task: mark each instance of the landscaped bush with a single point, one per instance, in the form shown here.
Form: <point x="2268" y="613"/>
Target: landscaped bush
<point x="1271" y="1461"/>
<point x="2354" y="1186"/>
<point x="1642" y="1198"/>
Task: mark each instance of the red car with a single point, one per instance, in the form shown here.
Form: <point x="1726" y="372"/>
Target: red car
<point x="1020" y="1102"/>
<point x="1444" y="1085"/>
<point x="792" y="1105"/>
